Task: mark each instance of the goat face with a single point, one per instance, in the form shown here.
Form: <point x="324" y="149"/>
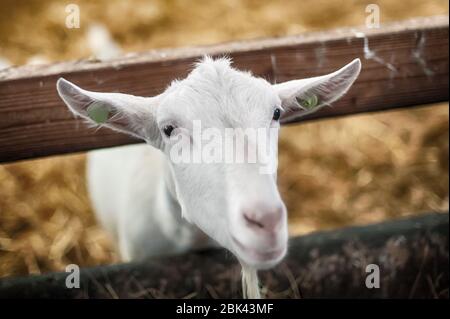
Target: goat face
<point x="219" y="130"/>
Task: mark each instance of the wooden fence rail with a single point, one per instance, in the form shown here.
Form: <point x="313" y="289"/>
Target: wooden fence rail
<point x="412" y="255"/>
<point x="404" y="64"/>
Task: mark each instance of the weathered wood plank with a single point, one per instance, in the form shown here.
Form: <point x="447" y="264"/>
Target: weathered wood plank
<point x="412" y="255"/>
<point x="404" y="64"/>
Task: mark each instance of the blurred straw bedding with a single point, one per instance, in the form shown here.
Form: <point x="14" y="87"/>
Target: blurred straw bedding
<point x="347" y="171"/>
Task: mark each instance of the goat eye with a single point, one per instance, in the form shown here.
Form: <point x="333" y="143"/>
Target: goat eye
<point x="168" y="129"/>
<point x="276" y="114"/>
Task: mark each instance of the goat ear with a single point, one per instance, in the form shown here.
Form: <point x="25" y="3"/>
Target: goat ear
<point x="125" y="113"/>
<point x="301" y="97"/>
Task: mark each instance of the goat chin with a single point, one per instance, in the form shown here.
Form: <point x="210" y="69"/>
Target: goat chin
<point x="250" y="282"/>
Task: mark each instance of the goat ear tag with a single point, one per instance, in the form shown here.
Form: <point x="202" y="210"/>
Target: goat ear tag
<point x="98" y="112"/>
<point x="308" y="101"/>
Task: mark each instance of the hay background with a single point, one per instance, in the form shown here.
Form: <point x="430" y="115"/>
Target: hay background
<point x="352" y="170"/>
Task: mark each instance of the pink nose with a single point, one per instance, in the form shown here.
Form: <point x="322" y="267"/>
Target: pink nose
<point x="264" y="219"/>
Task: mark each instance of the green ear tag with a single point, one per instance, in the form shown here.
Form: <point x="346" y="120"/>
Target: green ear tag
<point x="308" y="102"/>
<point x="98" y="112"/>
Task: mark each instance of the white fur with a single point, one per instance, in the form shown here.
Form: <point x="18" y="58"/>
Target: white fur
<point x="153" y="206"/>
<point x="250" y="283"/>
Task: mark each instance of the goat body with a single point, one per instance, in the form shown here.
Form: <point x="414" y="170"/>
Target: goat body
<point x="132" y="191"/>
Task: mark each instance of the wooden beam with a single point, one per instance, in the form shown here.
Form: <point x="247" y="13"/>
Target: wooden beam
<point x="412" y="254"/>
<point x="404" y="64"/>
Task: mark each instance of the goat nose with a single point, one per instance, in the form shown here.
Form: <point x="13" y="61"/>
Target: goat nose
<point x="264" y="220"/>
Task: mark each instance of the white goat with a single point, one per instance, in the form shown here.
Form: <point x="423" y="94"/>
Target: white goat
<point x="154" y="206"/>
